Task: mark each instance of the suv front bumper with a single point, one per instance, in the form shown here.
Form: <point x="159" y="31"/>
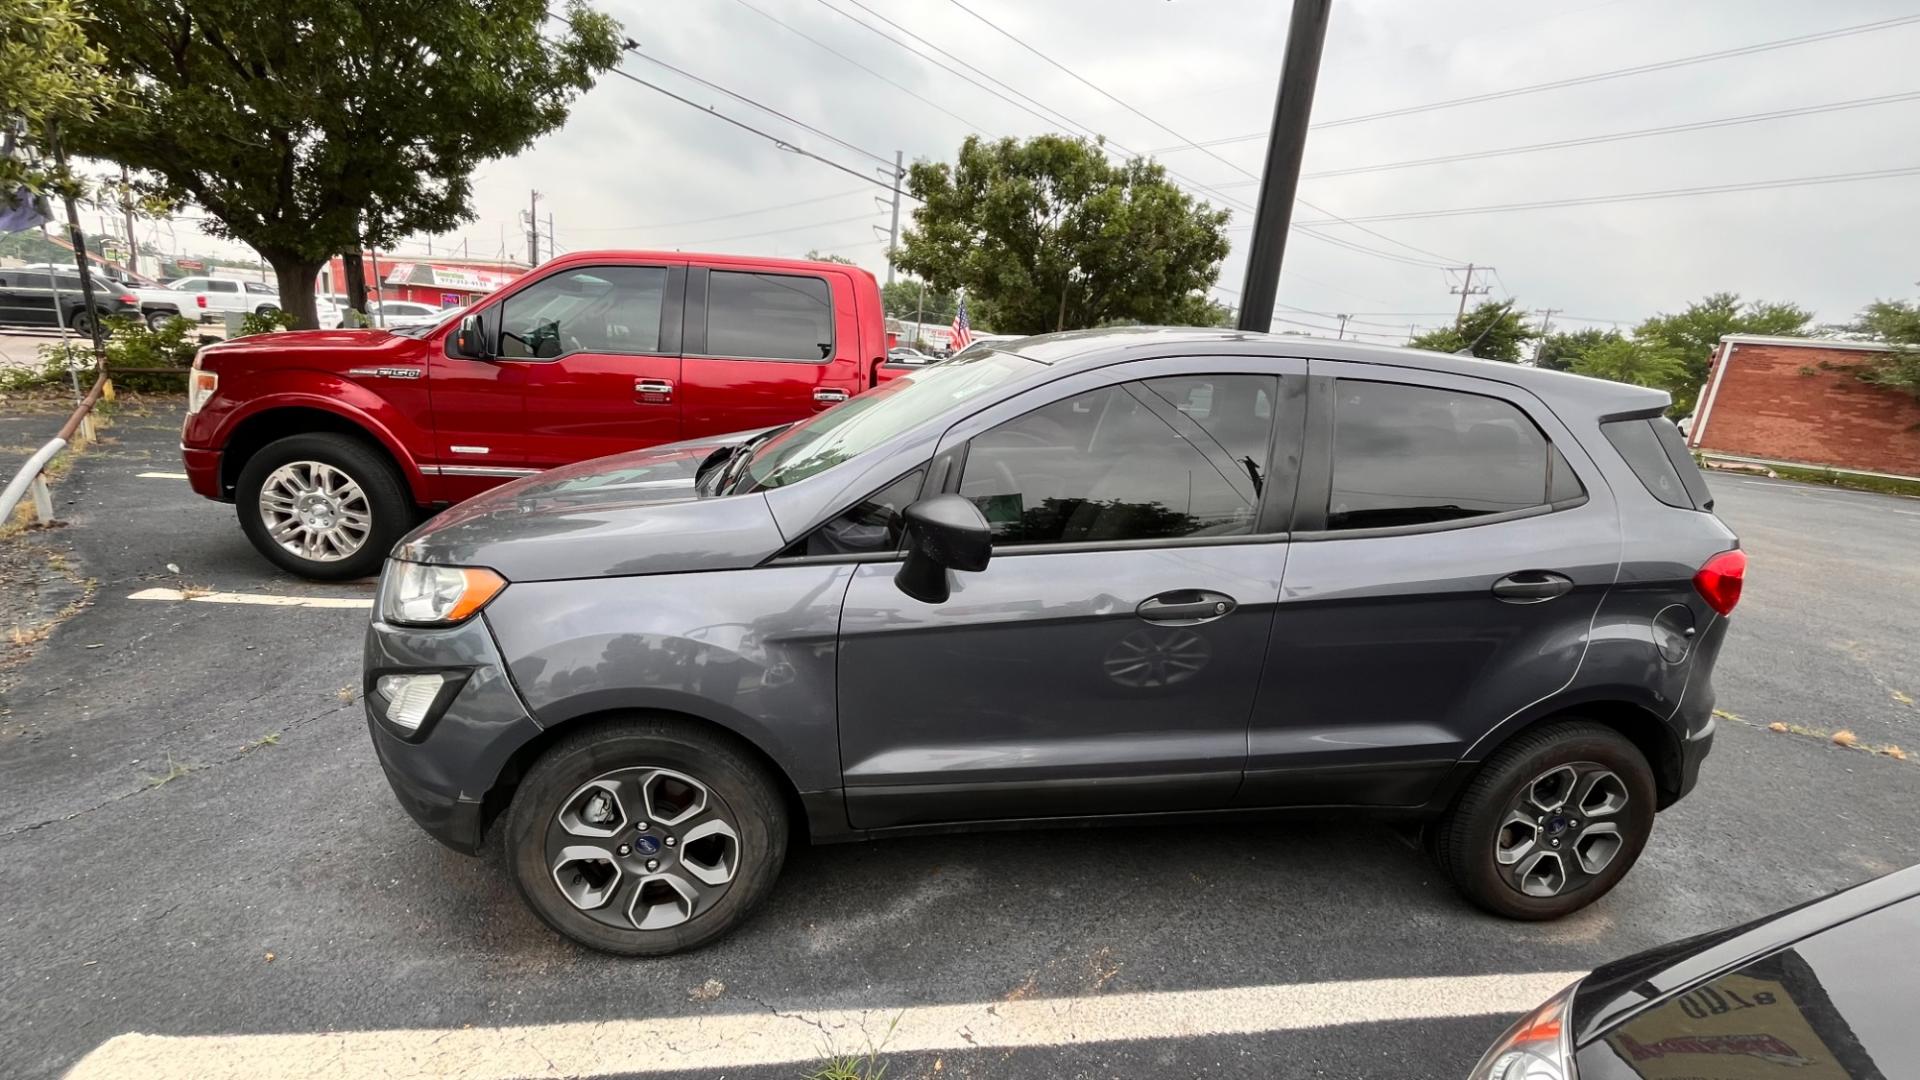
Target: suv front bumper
<point x="442" y="771"/>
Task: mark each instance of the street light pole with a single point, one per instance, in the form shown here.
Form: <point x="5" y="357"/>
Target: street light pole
<point x="1306" y="34"/>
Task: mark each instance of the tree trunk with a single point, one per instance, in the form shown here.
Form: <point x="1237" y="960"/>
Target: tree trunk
<point x="296" y="277"/>
<point x="355" y="271"/>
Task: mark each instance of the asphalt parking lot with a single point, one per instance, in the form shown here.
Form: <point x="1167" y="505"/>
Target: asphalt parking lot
<point x="197" y="844"/>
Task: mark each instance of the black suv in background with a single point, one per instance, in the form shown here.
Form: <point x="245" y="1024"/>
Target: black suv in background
<point x="35" y="297"/>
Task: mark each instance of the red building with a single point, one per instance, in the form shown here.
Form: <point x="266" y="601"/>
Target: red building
<point x="1801" y="401"/>
<point x="442" y="282"/>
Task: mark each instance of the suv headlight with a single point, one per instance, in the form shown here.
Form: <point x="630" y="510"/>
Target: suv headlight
<point x="1539" y="1045"/>
<point x="419" y="594"/>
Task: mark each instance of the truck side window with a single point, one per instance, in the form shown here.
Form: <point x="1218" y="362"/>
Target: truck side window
<point x="769" y="316"/>
<point x="593" y="309"/>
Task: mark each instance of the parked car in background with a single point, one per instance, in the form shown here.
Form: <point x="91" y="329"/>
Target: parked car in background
<point x="51" y="298"/>
<point x="1826" y="989"/>
<point x="1137" y="575"/>
<point x="209" y="299"/>
<point x="331" y="443"/>
<point x="393" y="315"/>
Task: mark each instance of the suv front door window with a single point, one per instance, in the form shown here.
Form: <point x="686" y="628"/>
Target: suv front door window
<point x="1106" y="659"/>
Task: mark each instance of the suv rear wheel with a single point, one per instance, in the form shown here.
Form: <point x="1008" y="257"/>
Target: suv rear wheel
<point x="1550" y="823"/>
<point x="646" y="837"/>
<point x="324" y="506"/>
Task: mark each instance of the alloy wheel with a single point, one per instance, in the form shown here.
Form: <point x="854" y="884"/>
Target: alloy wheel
<point x="1561" y="830"/>
<point x="643" y="848"/>
<point x="315" y="511"/>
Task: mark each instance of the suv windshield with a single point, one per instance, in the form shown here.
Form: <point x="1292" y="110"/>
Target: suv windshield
<point x="844" y="431"/>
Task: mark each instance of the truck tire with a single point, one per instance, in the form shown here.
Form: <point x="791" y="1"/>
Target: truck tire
<point x="324" y="505"/>
<point x="158" y="319"/>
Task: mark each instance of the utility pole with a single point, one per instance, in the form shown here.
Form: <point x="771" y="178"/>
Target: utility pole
<point x="553" y="246"/>
<point x="533" y="230"/>
<point x="1466" y="289"/>
<point x="126" y="208"/>
<point x="1546" y="318"/>
<point x="893" y="231"/>
<point x="1273" y="216"/>
<point x="1342" y="335"/>
<point x="79" y="241"/>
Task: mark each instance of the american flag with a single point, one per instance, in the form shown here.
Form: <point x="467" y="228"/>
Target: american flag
<point x="962" y="330"/>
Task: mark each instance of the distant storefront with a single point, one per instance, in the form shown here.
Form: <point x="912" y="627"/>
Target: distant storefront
<point x="440" y="282"/>
<point x="1801" y="401"/>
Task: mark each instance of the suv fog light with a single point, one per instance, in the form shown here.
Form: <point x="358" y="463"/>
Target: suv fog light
<point x="409" y="697"/>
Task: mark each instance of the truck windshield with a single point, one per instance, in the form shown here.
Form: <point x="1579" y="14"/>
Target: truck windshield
<point x="844" y="431"/>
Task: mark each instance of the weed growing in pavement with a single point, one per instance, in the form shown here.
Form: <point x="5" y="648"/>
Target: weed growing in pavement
<point x="868" y="1066"/>
<point x="271" y="738"/>
<point x="175" y="770"/>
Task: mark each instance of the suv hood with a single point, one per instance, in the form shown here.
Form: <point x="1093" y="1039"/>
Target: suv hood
<point x="632" y="513"/>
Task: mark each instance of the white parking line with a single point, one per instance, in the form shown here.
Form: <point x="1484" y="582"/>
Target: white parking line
<point x="258" y="599"/>
<point x="704" y="1044"/>
<point x="161" y="475"/>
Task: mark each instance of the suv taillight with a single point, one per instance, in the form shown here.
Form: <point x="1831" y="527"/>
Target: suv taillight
<point x="129" y="298"/>
<point x="1719" y="579"/>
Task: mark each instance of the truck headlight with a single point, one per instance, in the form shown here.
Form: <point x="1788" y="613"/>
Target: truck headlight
<point x="419" y="594"/>
<point x="1539" y="1045"/>
<point x="200" y="386"/>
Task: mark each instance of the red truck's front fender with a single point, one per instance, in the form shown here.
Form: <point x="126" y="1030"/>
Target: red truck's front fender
<point x="284" y="401"/>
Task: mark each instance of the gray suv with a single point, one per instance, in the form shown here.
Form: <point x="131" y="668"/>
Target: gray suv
<point x="1138" y="575"/>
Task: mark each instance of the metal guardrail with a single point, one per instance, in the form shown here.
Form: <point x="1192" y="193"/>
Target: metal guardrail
<point x="33" y="475"/>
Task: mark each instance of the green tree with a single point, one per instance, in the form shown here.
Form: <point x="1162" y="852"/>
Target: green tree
<point x="1048" y="234"/>
<point x="1896" y="323"/>
<point x="307" y="133"/>
<point x="50" y="74"/>
<point x="903" y="300"/>
<point x="1492" y="331"/>
<point x="1559" y="352"/>
<point x="1694" y="334"/>
<point x="1634" y="362"/>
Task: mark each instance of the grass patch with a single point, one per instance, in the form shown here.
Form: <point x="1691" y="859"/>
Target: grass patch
<point x="271" y="738"/>
<point x="175" y="770"/>
<point x="1853" y="481"/>
<point x="867" y="1066"/>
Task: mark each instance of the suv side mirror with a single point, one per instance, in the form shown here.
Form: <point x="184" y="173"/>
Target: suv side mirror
<point x="470" y="340"/>
<point x="946" y="532"/>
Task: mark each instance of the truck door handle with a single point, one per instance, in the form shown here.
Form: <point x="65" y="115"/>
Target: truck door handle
<point x="653" y="391"/>
<point x="1185" y="607"/>
<point x="1531" y="586"/>
<point x="828" y="396"/>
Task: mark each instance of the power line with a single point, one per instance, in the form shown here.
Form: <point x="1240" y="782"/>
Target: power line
<point x="1638" y="196"/>
<point x="1102" y="91"/>
<point x="1582" y="80"/>
<point x="683" y="73"/>
<point x="723" y="217"/>
<point x="774" y="139"/>
<point x="850" y="60"/>
<point x="1621" y="136"/>
<point x="775" y="232"/>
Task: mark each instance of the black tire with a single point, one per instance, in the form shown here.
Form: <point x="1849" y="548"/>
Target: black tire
<point x="388" y="502"/>
<point x="746" y="789"/>
<point x="265" y="309"/>
<point x="1463" y="842"/>
<point x="158" y="319"/>
<point x="82" y="323"/>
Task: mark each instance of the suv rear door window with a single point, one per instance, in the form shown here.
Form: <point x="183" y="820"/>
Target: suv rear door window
<point x="1154" y="459"/>
<point x="1412" y="455"/>
<point x="769" y="316"/>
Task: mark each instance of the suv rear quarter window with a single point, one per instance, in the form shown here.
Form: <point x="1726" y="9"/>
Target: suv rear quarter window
<point x="1411" y="455"/>
<point x="1643" y="445"/>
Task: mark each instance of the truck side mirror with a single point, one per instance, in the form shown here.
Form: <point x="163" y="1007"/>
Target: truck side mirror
<point x="946" y="532"/>
<point x="470" y="340"/>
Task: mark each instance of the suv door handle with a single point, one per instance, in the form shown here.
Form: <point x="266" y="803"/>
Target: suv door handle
<point x="1531" y="586"/>
<point x="1185" y="607"/>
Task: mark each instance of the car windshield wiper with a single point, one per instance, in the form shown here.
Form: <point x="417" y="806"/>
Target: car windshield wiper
<point x="735" y="469"/>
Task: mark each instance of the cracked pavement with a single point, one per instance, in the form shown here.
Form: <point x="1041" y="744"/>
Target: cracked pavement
<point x="133" y="906"/>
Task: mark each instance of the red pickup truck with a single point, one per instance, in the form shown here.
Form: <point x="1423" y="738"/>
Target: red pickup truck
<point x="333" y="442"/>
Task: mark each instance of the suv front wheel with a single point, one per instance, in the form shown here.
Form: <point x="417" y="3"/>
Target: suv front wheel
<point x="325" y="506"/>
<point x="647" y="836"/>
<point x="1550" y="823"/>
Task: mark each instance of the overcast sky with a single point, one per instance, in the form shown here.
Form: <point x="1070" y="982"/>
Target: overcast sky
<point x="633" y="168"/>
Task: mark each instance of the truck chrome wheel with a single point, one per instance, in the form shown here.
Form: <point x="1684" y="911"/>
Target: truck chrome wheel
<point x="643" y="848"/>
<point x="315" y="511"/>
